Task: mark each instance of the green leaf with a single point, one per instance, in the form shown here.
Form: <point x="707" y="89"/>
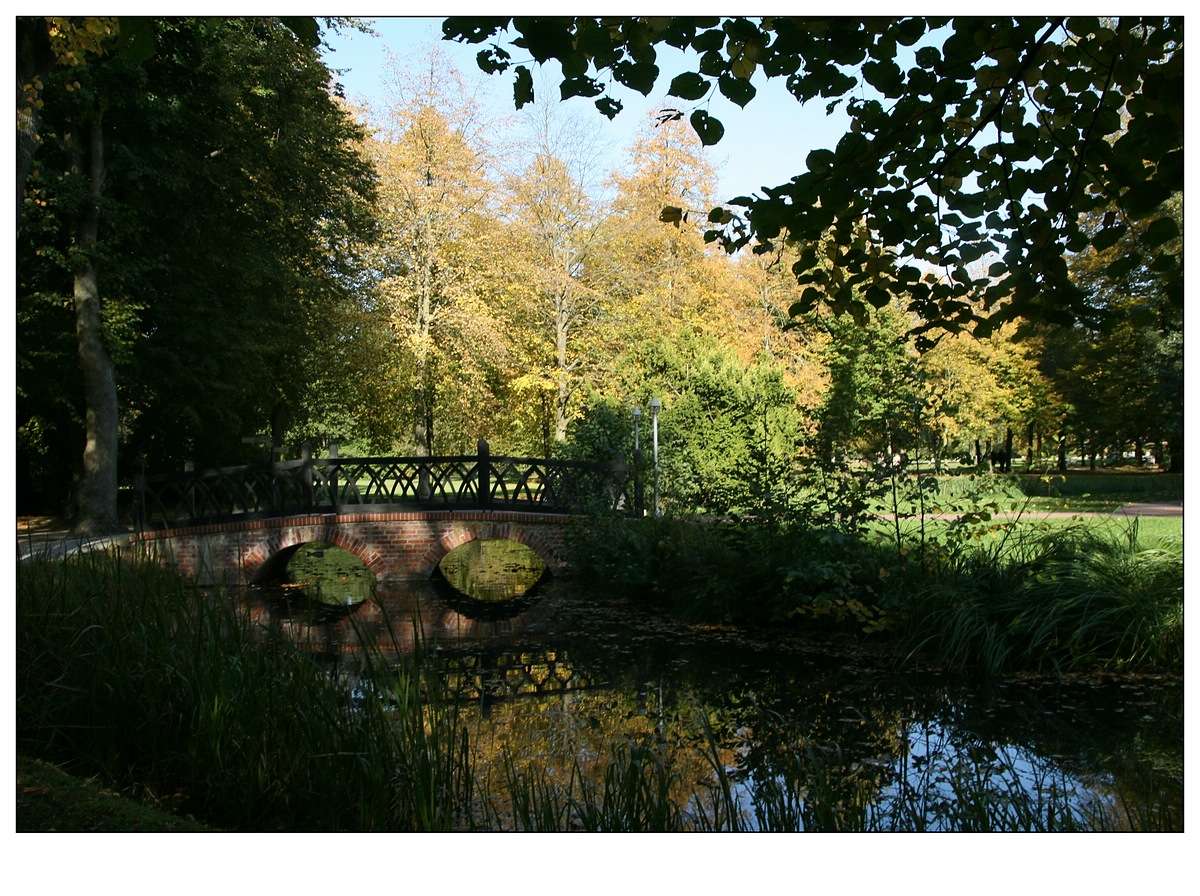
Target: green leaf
<point x="1123" y="266"/>
<point x="878" y="296"/>
<point x="493" y="59"/>
<point x="713" y="39"/>
<point x="135" y="37"/>
<point x="574" y="65"/>
<point x="1161" y="231"/>
<point x="709" y="129"/>
<point x="671" y="214"/>
<point x="737" y="90"/>
<point x="1108" y="237"/>
<point x="639" y="76"/>
<point x="472" y="29"/>
<point x="608" y="107"/>
<point x="819" y="160"/>
<point x="689" y="86"/>
<point x="306" y="29"/>
<point x="585" y="86"/>
<point x="522" y="87"/>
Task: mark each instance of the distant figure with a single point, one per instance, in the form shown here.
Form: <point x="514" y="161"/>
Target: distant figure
<point x="1001" y="462"/>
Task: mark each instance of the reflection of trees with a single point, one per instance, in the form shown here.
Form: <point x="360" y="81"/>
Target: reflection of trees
<point x="777" y="738"/>
<point x="816" y="750"/>
<point x="1122" y="735"/>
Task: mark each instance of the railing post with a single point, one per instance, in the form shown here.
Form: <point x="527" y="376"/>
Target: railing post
<point x="485" y="475"/>
<point x="306" y="475"/>
<point x="189" y="496"/>
<point x="639" y="499"/>
<point x="332" y="478"/>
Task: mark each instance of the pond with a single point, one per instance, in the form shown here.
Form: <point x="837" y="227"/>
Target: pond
<point x="744" y="729"/>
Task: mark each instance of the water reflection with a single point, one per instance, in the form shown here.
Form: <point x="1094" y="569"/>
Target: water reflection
<point x="804" y="733"/>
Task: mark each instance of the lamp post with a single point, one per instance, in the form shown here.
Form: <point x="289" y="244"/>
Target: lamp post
<point x="655" y="404"/>
<point x="637" y="421"/>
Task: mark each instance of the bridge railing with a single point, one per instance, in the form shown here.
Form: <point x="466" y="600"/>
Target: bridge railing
<point x="339" y="484"/>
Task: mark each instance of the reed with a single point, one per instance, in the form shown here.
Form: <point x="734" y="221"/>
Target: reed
<point x="176" y="696"/>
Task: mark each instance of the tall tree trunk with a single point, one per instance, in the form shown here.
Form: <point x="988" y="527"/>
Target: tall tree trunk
<point x="97" y="513"/>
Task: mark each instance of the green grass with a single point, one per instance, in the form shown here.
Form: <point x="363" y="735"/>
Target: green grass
<point x="985" y="589"/>
<point x="48" y="799"/>
<point x="1120" y="485"/>
<point x="1061" y="596"/>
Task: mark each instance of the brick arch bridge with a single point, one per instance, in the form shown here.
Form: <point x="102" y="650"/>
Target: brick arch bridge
<point x="395" y="546"/>
<point x="400" y="515"/>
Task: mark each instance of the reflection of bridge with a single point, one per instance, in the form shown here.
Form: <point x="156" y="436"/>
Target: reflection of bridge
<point x="400" y="515"/>
<point x="497" y="674"/>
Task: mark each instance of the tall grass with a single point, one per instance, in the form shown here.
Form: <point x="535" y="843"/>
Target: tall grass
<point x="1050" y="597"/>
<point x="174" y="695"/>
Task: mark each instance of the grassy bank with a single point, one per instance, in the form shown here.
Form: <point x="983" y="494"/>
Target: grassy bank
<point x="990" y="593"/>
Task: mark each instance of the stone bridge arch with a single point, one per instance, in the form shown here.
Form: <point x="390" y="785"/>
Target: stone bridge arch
<point x="394" y="546"/>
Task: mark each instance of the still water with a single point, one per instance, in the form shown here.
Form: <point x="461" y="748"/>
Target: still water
<point x="797" y="732"/>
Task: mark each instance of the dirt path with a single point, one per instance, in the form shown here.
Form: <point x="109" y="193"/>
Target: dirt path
<point x="52" y="536"/>
<point x="1164" y="508"/>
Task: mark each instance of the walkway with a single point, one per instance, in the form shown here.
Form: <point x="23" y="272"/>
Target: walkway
<point x="53" y="537"/>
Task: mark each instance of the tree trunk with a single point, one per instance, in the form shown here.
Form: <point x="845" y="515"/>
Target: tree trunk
<point x="562" y="370"/>
<point x="97" y="513"/>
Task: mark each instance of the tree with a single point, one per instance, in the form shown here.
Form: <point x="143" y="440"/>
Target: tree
<point x="1129" y="369"/>
<point x="970" y="139"/>
<point x="873" y="405"/>
<point x="667" y="275"/>
<point x="559" y="223"/>
<point x="433" y="265"/>
<point x="222" y="197"/>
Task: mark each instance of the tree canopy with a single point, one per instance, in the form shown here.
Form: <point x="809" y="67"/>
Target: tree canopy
<point x="977" y="148"/>
<point x="231" y="191"/>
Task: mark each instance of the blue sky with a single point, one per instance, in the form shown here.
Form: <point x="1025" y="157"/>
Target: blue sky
<point x="764" y="144"/>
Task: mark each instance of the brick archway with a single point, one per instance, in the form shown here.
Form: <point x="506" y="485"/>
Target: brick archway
<point x="394" y="546"/>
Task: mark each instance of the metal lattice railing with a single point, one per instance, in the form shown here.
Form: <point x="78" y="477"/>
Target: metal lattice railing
<point x="338" y="484"/>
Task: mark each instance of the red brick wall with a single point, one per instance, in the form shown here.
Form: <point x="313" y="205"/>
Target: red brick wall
<point x="395" y="546"/>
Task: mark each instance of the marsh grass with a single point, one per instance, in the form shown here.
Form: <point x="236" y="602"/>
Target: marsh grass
<point x="1062" y="598"/>
<point x="174" y="696"/>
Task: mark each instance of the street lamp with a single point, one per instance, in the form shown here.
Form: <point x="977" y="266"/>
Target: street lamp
<point x="637" y="421"/>
<point x="655" y="404"/>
